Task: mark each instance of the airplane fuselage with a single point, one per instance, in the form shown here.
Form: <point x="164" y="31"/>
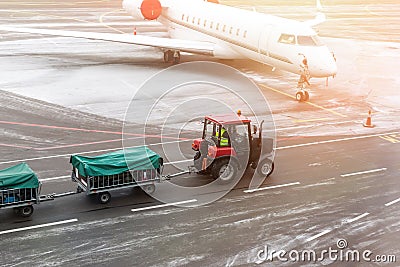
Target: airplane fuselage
<point x="238" y="33"/>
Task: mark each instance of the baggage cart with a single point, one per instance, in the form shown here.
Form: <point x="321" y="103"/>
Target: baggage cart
<point x="19" y="189"/>
<point x="104" y="173"/>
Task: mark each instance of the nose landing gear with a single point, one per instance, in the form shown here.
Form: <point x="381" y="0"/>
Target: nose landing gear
<point x="302" y="95"/>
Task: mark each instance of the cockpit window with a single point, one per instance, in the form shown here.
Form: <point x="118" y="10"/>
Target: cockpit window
<point x="287" y="39"/>
<point x="309" y="40"/>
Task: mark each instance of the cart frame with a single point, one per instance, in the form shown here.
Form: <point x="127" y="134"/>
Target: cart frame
<point x="101" y="185"/>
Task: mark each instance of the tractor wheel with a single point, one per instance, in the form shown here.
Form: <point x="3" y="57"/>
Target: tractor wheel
<point x="104" y="197"/>
<point x="224" y="171"/>
<point x="265" y="167"/>
<point x="149" y="188"/>
<point x="25" y="211"/>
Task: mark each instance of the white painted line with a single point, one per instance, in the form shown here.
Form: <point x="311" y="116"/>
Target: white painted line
<point x="318" y="235"/>
<point x="392" y="202"/>
<point x="164" y="205"/>
<point x="363" y="172"/>
<point x="87" y="152"/>
<point x="358" y="217"/>
<point x="335" y="140"/>
<point x="55" y="178"/>
<point x="37" y="226"/>
<point x="178" y="161"/>
<point x="270" y="187"/>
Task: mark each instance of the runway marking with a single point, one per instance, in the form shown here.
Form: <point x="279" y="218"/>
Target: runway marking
<point x="80" y="144"/>
<point x="311" y="120"/>
<point x="45" y="14"/>
<point x="85" y="130"/>
<point x="318" y="235"/>
<point x="37" y="226"/>
<point x="391" y="138"/>
<point x="164" y="205"/>
<point x="270" y="187"/>
<point x="52" y="3"/>
<point x="392" y="202"/>
<point x="334" y="140"/>
<point x="86" y="152"/>
<point x="357" y="218"/>
<point x="363" y="172"/>
<point x="307" y="102"/>
<point x="107" y="26"/>
<point x="16" y="146"/>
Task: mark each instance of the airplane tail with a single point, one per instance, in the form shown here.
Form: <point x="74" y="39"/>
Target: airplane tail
<point x="319" y="18"/>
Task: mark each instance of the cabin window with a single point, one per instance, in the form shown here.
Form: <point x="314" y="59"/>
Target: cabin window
<point x="237" y="32"/>
<point x="287" y="39"/>
<point x="183" y="16"/>
<point x="193" y="20"/>
<point x="187" y="19"/>
<point x="217" y="28"/>
<point x="224" y="28"/>
<point x="230" y="30"/>
<point x="245" y="34"/>
<point x="211" y="24"/>
<point x="198" y="21"/>
<point x="205" y="23"/>
<point x="309" y="40"/>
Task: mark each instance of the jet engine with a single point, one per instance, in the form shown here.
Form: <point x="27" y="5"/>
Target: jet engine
<point x="143" y="9"/>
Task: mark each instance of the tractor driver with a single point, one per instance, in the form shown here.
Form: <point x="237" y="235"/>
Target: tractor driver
<point x="224" y="137"/>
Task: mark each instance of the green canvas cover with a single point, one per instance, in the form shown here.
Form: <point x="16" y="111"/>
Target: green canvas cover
<point x="138" y="158"/>
<point x="17" y="177"/>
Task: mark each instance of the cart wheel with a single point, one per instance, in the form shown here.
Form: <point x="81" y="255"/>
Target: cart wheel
<point x="26" y="211"/>
<point x="104" y="197"/>
<point x="265" y="168"/>
<point x="79" y="190"/>
<point x="149" y="189"/>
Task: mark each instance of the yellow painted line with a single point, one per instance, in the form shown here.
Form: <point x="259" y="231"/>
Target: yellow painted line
<point x="101" y="20"/>
<point x="307" y="102"/>
<point x="320" y="119"/>
<point x="390" y="138"/>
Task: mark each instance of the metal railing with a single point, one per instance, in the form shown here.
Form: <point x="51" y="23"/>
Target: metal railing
<point x="14" y="197"/>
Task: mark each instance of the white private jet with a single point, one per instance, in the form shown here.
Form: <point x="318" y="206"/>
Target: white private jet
<point x="209" y="28"/>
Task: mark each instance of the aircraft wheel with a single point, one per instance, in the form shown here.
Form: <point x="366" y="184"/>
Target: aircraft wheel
<point x="177" y="57"/>
<point x="168" y="56"/>
<point x="306" y="96"/>
<point x="300" y="96"/>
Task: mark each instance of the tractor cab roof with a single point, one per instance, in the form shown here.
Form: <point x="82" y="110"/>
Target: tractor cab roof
<point x="225" y="119"/>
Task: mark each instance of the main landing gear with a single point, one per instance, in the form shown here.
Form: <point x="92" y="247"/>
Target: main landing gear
<point x="172" y="56"/>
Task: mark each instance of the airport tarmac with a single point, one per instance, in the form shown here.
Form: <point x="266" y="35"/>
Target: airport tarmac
<point x="334" y="179"/>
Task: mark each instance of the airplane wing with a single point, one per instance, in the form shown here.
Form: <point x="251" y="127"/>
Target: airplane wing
<point x="195" y="47"/>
